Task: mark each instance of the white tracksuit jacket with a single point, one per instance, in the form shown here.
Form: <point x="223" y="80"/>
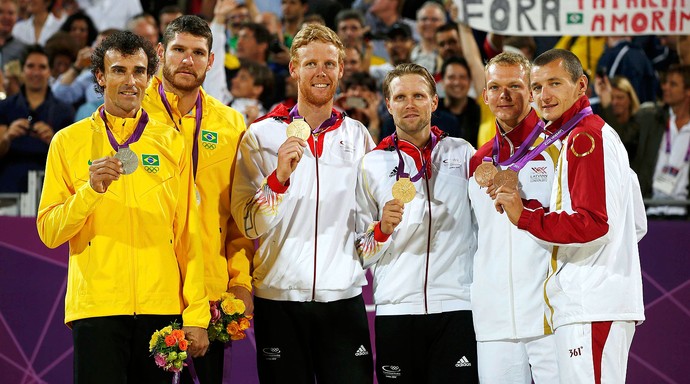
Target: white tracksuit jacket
<point x="305" y="230"/>
<point x="594" y="223"/>
<point x="510" y="266"/>
<point x="425" y="266"/>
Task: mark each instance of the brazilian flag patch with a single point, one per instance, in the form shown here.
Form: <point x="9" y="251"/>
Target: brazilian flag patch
<point x="151" y="163"/>
<point x="574" y="18"/>
<point x="209" y="139"/>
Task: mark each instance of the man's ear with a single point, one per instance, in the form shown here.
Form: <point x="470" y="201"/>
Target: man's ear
<point x="582" y="84"/>
<point x="100" y="78"/>
<point x="211" y="59"/>
<point x="160" y="50"/>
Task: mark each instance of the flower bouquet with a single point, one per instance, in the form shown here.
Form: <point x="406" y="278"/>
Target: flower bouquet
<point x="168" y="347"/>
<point x="228" y="321"/>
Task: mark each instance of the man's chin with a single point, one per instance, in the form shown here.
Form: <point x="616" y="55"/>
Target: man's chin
<point x="187" y="85"/>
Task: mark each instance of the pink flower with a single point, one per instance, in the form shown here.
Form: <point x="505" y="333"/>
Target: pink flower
<point x="160" y="360"/>
<point x="215" y="312"/>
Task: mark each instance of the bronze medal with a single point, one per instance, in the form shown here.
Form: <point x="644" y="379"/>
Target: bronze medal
<point x="299" y="128"/>
<point x="129" y="160"/>
<point x="506" y="177"/>
<point x="484" y="173"/>
<point x="404" y="190"/>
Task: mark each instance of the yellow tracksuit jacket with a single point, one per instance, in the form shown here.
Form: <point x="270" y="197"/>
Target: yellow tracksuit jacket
<point x="227" y="254"/>
<point x="134" y="249"/>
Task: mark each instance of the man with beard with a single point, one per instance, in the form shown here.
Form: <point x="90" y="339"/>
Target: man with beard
<point x="294" y="192"/>
<point x="212" y="132"/>
<point x="414" y="226"/>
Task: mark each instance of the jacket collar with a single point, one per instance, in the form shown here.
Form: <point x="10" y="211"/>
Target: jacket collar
<point x="522" y="131"/>
<point x="580" y="104"/>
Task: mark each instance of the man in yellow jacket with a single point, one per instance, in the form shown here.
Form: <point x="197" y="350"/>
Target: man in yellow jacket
<point x="118" y="186"/>
<point x="212" y="132"/>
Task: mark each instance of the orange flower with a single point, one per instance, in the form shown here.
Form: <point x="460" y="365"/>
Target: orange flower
<point x="244" y="323"/>
<point x="178" y="334"/>
<point x="183" y="345"/>
<point x="238" y="336"/>
<point x="170" y="340"/>
<point x="233" y="328"/>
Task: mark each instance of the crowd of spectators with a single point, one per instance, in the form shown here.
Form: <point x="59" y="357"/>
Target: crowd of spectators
<point x="639" y="84"/>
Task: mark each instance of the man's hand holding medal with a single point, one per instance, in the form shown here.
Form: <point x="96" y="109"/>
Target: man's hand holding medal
<point x="392" y="215"/>
<point x="107" y="169"/>
<point x="104" y="171"/>
<point x="502" y="187"/>
<point x="290" y="153"/>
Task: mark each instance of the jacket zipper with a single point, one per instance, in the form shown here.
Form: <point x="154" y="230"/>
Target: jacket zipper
<point x="132" y="251"/>
<point x="428" y="246"/>
<point x="510" y="282"/>
<point x="316" y="216"/>
<point x="428" y="237"/>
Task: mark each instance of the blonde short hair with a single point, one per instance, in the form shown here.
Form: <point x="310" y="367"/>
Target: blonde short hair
<point x="316" y="32"/>
<point x="509" y="59"/>
<point x="409" y="69"/>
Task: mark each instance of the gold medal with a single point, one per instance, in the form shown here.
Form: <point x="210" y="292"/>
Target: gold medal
<point x="506" y="177"/>
<point x="484" y="173"/>
<point x="404" y="190"/>
<point x="299" y="128"/>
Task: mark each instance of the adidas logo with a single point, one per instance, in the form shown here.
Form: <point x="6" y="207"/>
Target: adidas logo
<point x="361" y="351"/>
<point x="394" y="172"/>
<point x="463" y="362"/>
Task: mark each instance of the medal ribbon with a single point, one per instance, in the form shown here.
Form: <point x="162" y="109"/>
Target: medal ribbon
<point x="401" y="163"/>
<point x="668" y="142"/>
<point x="294" y="114"/>
<point x="136" y="135"/>
<point x="562" y="131"/>
<point x="536" y="131"/>
<point x="197" y="119"/>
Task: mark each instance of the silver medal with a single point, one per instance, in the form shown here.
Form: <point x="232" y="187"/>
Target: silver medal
<point x="129" y="160"/>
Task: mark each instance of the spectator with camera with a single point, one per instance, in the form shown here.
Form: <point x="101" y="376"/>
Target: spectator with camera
<point x="28" y="121"/>
<point x="360" y="100"/>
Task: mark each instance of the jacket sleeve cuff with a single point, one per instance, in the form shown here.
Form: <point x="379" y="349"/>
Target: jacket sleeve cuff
<point x="89" y="196"/>
<point x="275" y="185"/>
<point x="379" y="235"/>
<point x="525" y="219"/>
<point x="532" y="204"/>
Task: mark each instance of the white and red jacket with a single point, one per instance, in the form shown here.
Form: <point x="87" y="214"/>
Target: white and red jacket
<point x="425" y="265"/>
<point x="510" y="266"/>
<point x="595" y="220"/>
<point x="305" y="228"/>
